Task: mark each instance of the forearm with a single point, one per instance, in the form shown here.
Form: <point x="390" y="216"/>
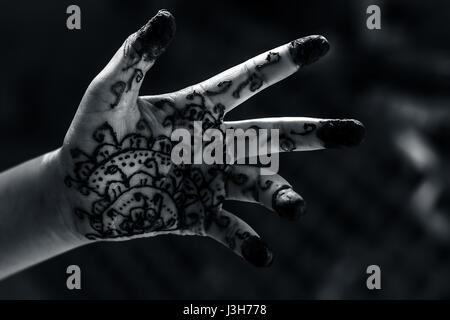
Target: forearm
<point x="32" y="228"/>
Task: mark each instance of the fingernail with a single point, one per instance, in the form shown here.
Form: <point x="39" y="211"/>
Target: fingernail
<point x="255" y="251"/>
<point x="156" y="35"/>
<point x="341" y="133"/>
<point x="288" y="203"/>
<point x="307" y="50"/>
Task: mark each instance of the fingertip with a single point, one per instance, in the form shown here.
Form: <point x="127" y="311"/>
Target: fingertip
<point x="155" y="36"/>
<point x="307" y="50"/>
<point x="288" y="203"/>
<point x="341" y="133"/>
<point x="255" y="251"/>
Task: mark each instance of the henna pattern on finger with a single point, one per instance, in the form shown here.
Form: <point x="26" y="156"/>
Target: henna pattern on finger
<point x="76" y="152"/>
<point x="105" y="133"/>
<point x="231" y="232"/>
<point x="117" y="89"/>
<point x="286" y="143"/>
<point x="250" y="188"/>
<point x="254" y="81"/>
<point x="137" y="75"/>
<point x="194" y="110"/>
<point x="222" y="86"/>
<point x="133" y="57"/>
<point x="264" y="186"/>
<point x="272" y="58"/>
<point x="307" y="129"/>
<point x="164" y="103"/>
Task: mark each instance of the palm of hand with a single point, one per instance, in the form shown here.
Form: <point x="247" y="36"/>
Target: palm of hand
<point x="134" y="186"/>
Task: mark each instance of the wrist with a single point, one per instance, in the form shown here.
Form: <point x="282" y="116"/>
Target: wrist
<point x="58" y="203"/>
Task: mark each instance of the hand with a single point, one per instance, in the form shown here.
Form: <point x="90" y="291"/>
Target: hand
<point x="122" y="182"/>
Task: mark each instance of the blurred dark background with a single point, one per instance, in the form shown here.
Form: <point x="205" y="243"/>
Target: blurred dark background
<point x="385" y="203"/>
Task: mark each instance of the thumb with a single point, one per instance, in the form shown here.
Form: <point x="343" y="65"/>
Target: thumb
<point x="119" y="82"/>
<point x="150" y="41"/>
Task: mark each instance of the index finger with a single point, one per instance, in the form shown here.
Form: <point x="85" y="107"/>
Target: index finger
<point x="234" y="86"/>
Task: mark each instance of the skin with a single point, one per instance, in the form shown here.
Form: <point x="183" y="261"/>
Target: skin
<point x="113" y="178"/>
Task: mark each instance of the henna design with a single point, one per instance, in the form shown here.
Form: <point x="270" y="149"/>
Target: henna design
<point x="105" y="131"/>
<point x="76" y="152"/>
<point x="232" y="232"/>
<point x="117" y="89"/>
<point x="134" y="57"/>
<point x="237" y="234"/>
<point x="254" y="80"/>
<point x="222" y="86"/>
<point x="272" y="58"/>
<point x="194" y="110"/>
<point x="248" y="186"/>
<point x="286" y="143"/>
<point x="192" y="96"/>
<point x="266" y="185"/>
<point x="142" y="125"/>
<point x="134" y="188"/>
<point x="132" y="63"/>
<point x="307" y="127"/>
<point x="137" y="75"/>
<point x="161" y="104"/>
<point x="219" y="109"/>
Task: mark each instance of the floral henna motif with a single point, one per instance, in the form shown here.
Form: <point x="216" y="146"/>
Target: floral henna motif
<point x="135" y="187"/>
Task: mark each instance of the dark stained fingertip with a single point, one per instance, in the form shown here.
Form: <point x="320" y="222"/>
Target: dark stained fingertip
<point x="307" y="50"/>
<point x="341" y="133"/>
<point x="255" y="251"/>
<point x="288" y="203"/>
<point x="154" y="37"/>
